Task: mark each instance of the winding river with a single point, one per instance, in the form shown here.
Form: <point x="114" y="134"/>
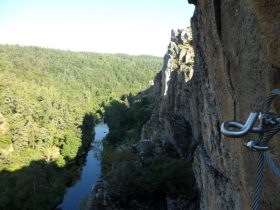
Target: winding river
<point x="90" y="173"/>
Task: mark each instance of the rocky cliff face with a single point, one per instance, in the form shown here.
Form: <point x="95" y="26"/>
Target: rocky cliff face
<point x="237" y="63"/>
<point x="169" y="90"/>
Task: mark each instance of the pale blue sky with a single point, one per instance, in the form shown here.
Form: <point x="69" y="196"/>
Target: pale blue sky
<point x="113" y="26"/>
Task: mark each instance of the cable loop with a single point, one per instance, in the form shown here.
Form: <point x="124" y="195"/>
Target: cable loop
<point x="269" y="125"/>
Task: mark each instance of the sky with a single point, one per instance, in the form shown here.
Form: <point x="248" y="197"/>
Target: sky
<point x="133" y="27"/>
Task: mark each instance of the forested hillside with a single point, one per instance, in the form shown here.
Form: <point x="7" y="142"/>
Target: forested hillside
<point x="49" y="100"/>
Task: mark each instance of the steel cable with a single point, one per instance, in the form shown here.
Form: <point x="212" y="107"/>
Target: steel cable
<point x="263" y="139"/>
<point x="271" y="164"/>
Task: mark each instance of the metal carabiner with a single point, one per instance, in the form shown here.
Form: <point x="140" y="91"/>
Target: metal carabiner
<point x="242" y="130"/>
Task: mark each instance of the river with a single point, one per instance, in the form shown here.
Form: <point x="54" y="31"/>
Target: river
<point x="90" y="173"/>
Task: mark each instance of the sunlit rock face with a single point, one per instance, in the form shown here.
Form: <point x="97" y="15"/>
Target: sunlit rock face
<point x="168" y="124"/>
<point x="236" y="64"/>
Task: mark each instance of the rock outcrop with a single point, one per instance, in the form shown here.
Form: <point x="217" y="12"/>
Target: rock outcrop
<point x="236" y="64"/>
<point x="169" y="90"/>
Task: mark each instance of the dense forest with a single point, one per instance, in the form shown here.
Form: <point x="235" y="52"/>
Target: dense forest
<point x="49" y="101"/>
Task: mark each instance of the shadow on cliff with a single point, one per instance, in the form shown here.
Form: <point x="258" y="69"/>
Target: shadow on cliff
<point x="41" y="185"/>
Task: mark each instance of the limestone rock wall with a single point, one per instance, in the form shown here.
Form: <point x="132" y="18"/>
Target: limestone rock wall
<point x="236" y="64"/>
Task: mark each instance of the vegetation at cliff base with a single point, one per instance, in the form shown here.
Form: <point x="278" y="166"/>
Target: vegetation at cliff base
<point x="134" y="183"/>
<point x="126" y="116"/>
<point x="125" y="119"/>
<point x="49" y="101"/>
